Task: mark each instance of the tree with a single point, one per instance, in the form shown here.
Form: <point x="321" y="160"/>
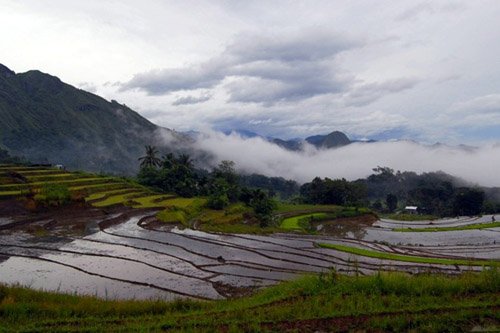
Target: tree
<point x="468" y="201"/>
<point x="225" y="171"/>
<point x="150" y="159"/>
<point x="333" y="192"/>
<point x="263" y="207"/>
<point x="392" y="202"/>
<point x="218" y="198"/>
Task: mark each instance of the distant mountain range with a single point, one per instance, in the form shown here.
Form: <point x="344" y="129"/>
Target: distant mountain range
<point x="333" y="140"/>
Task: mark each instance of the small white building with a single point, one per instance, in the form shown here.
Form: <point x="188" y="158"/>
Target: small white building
<point x="411" y="210"/>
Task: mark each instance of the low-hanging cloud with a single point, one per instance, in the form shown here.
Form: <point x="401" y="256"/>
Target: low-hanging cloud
<point x="256" y="155"/>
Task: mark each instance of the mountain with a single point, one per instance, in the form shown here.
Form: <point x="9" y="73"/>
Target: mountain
<point x="288" y="144"/>
<point x="47" y="120"/>
<point x="332" y="140"/>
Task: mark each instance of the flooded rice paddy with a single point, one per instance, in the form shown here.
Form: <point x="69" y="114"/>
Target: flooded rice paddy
<point x="117" y="257"/>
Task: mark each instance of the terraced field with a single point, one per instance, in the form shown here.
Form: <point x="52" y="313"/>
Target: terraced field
<point x="115" y="246"/>
<point x="99" y="191"/>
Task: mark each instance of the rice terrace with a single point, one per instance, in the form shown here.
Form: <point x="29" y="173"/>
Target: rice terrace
<point x="250" y="166"/>
<point x="117" y="240"/>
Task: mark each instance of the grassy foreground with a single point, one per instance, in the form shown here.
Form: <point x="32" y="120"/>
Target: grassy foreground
<point x="408" y="258"/>
<point x="383" y="302"/>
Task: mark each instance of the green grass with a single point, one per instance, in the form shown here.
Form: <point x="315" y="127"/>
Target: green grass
<point x="152" y="201"/>
<point x="52" y="177"/>
<point x="317" y="213"/>
<point x="10" y="193"/>
<point x="288" y="208"/>
<point x="172" y="216"/>
<point x="98" y="187"/>
<point x="117" y="199"/>
<point x="69" y="182"/>
<point x="410" y="217"/>
<point x="408" y="258"/>
<point x="183" y="202"/>
<point x="329" y="302"/>
<point x="475" y="226"/>
<point x="101" y="195"/>
<point x="296" y="222"/>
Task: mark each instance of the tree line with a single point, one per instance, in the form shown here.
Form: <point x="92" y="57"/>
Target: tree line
<point x="385" y="190"/>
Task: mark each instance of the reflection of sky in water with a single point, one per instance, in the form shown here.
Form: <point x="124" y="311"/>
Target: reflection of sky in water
<point x="110" y="264"/>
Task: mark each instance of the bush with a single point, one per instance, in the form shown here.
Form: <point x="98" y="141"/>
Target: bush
<point x="54" y="194"/>
<point x="217" y="201"/>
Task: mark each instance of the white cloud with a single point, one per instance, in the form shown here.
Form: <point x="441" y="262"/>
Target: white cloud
<point x="479" y="165"/>
<point x="312" y="67"/>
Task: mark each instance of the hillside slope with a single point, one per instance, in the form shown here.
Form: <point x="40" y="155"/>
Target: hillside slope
<point x="46" y="120"/>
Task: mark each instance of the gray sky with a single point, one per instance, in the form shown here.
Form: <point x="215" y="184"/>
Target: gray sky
<point x="422" y="70"/>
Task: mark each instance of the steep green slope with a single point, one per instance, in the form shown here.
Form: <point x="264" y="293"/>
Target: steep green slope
<point x="46" y="120"/>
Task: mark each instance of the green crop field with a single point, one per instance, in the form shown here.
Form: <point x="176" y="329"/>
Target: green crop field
<point x="118" y="199"/>
<point x="152" y="201"/>
<point x="294" y="223"/>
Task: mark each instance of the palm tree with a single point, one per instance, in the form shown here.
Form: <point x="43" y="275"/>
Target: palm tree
<point x="150" y="159"/>
<point x="185" y="160"/>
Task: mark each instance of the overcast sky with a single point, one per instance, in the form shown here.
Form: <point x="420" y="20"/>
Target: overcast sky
<point x="422" y="70"/>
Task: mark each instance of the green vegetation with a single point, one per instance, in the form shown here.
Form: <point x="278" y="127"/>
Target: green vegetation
<point x="172" y="216"/>
<point x="408" y="258"/>
<point x="457" y="228"/>
<point x="382" y="302"/>
<point x="54" y="194"/>
<point x="289" y="208"/>
<point x="300" y="221"/>
<point x="333" y="192"/>
<point x="118" y="199"/>
<point x="152" y="201"/>
<point x="317" y="213"/>
<point x="410" y="217"/>
<point x="104" y="194"/>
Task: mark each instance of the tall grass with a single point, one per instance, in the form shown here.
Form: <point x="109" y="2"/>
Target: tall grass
<point x="467" y="298"/>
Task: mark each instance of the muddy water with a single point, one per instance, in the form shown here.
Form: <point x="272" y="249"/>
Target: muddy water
<point x="128" y="261"/>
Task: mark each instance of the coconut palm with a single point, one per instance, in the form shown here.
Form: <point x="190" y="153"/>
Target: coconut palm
<point x="185" y="160"/>
<point x="150" y="159"/>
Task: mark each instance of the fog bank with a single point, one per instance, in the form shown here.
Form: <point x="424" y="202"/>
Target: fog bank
<point x="256" y="155"/>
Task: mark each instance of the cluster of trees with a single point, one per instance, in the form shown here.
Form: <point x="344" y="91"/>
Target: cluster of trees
<point x="334" y="192"/>
<point x="434" y="193"/>
<point x="221" y="185"/>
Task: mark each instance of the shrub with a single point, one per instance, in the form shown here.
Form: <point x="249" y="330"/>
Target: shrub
<point x="54" y="194"/>
<point x="217" y="201"/>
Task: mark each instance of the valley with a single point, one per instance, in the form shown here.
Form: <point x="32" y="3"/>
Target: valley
<point x="111" y="242"/>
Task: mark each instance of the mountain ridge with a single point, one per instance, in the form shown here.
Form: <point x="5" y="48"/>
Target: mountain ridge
<point x="45" y="119"/>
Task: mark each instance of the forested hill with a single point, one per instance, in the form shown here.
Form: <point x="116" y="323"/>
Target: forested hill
<point x="47" y="120"/>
